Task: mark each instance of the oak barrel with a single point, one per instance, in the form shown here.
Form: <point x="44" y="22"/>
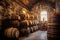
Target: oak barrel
<point x="53" y="30"/>
<point x="12" y="33"/>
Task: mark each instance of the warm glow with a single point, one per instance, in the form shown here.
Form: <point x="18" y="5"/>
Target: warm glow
<point x="43" y="15"/>
<point x="55" y="11"/>
<point x="26" y="2"/>
<point x="24" y="11"/>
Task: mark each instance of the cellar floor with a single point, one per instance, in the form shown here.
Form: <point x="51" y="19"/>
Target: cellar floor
<point x="38" y="35"/>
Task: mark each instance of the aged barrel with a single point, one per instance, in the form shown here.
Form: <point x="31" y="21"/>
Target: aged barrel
<point x="30" y="22"/>
<point x="53" y="30"/>
<point x="22" y="16"/>
<point x="34" y="28"/>
<point x="14" y="17"/>
<point x="16" y="23"/>
<point x="24" y="24"/>
<point x="12" y="33"/>
<point x="31" y="29"/>
<point x="1" y="18"/>
<point x="28" y="29"/>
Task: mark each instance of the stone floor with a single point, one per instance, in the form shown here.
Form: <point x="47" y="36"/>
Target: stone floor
<point x="38" y="35"/>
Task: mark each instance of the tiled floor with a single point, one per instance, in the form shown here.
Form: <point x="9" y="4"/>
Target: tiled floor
<point x="38" y="35"/>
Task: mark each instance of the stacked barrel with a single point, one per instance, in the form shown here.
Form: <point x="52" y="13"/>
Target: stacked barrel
<point x="15" y="20"/>
<point x="53" y="30"/>
<point x="12" y="32"/>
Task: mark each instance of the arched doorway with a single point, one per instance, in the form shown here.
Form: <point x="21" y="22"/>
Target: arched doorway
<point x="43" y="11"/>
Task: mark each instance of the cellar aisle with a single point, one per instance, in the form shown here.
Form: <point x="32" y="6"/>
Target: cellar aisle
<point x="38" y="35"/>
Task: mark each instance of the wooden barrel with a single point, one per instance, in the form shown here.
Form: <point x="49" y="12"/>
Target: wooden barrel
<point x="16" y="23"/>
<point x="22" y="16"/>
<point x="24" y="23"/>
<point x="53" y="30"/>
<point x="34" y="28"/>
<point x="28" y="16"/>
<point x="23" y="30"/>
<point x="32" y="17"/>
<point x="33" y="22"/>
<point x="30" y="22"/>
<point x="28" y="29"/>
<point x="14" y="17"/>
<point x="12" y="33"/>
<point x="36" y="21"/>
<point x="19" y="18"/>
<point x="31" y="29"/>
<point x="1" y="18"/>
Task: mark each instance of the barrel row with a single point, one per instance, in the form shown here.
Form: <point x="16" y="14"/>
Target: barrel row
<point x="53" y="30"/>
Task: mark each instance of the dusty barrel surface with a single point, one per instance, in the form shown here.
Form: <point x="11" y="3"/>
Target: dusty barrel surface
<point x="24" y="24"/>
<point x="31" y="29"/>
<point x="53" y="30"/>
<point x="12" y="33"/>
<point x="28" y="29"/>
<point x="16" y="23"/>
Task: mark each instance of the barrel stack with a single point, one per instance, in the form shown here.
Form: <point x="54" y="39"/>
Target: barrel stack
<point x="10" y="34"/>
<point x="53" y="30"/>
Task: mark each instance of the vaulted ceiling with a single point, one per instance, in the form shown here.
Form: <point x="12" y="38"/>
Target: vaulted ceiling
<point x="30" y="3"/>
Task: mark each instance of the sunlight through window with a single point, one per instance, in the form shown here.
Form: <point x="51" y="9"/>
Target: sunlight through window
<point x="43" y="15"/>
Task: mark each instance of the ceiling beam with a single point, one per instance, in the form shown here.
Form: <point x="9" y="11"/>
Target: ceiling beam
<point x="22" y="4"/>
<point x="53" y="5"/>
